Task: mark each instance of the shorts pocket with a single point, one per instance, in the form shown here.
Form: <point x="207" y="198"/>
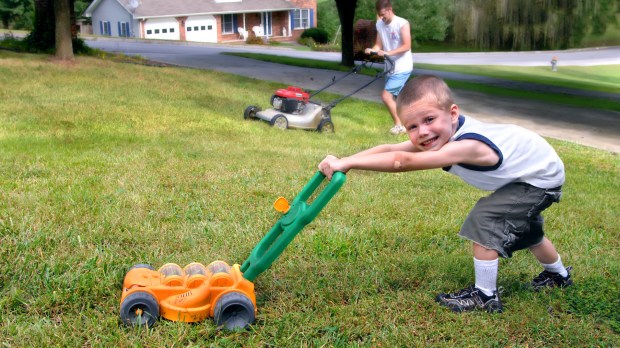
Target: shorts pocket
<point x="514" y="233"/>
<point x="549" y="197"/>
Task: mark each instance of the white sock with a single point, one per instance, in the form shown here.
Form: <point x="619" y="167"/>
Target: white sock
<point x="556" y="267"/>
<point x="486" y="275"/>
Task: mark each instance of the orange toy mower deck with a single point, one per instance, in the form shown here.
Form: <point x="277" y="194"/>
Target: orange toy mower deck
<point x="189" y="294"/>
<point x="218" y="290"/>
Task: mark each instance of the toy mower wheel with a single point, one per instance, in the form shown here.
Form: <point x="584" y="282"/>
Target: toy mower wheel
<point x="326" y="126"/>
<point x="234" y="311"/>
<point x="250" y="112"/>
<point x="279" y="121"/>
<point x="140" y="308"/>
<point x="142" y="265"/>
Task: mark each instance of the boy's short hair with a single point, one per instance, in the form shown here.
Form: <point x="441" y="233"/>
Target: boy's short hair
<point x="428" y="87"/>
<point x="381" y="4"/>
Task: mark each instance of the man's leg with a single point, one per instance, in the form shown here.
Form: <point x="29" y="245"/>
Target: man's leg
<point x="390" y="103"/>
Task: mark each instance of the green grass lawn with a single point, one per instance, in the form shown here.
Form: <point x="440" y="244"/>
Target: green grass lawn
<point x="104" y="165"/>
<point x="596" y="78"/>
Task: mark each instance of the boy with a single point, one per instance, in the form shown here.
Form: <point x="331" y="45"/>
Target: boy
<point x="521" y="168"/>
<point x="393" y="39"/>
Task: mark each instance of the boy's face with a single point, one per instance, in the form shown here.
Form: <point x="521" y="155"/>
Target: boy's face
<point x="386" y="15"/>
<point x="429" y="127"/>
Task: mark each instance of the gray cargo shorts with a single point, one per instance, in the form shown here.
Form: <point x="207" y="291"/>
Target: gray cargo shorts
<point x="509" y="219"/>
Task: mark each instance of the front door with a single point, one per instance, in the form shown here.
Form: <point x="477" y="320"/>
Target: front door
<point x="266" y="23"/>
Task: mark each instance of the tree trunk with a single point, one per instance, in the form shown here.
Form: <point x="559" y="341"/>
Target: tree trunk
<point x="42" y="35"/>
<point x="64" y="46"/>
<point x="346" y="12"/>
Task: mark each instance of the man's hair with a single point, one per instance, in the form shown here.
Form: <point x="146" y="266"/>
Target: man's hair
<point x="429" y="87"/>
<point x="381" y="4"/>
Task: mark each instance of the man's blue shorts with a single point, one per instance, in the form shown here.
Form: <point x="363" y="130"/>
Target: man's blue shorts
<point x="395" y="82"/>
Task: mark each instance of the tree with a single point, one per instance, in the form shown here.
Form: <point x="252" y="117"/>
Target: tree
<point x="346" y="12"/>
<point x="42" y="36"/>
<point x="54" y="29"/>
<point x="63" y="37"/>
<point x="15" y="14"/>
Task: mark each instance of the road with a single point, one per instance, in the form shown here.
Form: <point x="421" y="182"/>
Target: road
<point x="596" y="128"/>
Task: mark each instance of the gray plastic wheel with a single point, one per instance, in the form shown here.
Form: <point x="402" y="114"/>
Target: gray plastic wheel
<point x="140" y="308"/>
<point x="234" y="311"/>
<point x="279" y="121"/>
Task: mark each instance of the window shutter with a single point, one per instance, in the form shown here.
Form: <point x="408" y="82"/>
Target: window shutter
<point x="120" y="33"/>
<point x="101" y="27"/>
<point x="234" y="24"/>
<point x="292" y="20"/>
<point x="128" y="34"/>
<point x="311" y="24"/>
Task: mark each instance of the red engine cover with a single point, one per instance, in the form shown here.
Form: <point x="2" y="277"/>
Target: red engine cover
<point x="293" y="92"/>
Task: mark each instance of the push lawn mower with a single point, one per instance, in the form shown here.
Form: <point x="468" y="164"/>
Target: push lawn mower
<point x="224" y="292"/>
<point x="294" y="108"/>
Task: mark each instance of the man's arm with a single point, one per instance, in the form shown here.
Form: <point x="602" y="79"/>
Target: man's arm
<point x="377" y="47"/>
<point x="405" y="35"/>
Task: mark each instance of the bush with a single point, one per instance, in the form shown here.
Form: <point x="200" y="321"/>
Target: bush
<point x="319" y="35"/>
<point x="307" y="41"/>
<point x="255" y="40"/>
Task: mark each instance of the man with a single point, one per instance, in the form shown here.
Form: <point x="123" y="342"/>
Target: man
<point x="394" y="40"/>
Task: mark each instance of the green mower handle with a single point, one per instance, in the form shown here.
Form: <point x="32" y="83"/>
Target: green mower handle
<point x="296" y="218"/>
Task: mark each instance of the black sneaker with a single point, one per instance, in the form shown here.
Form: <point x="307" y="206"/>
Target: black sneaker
<point x="551" y="280"/>
<point x="469" y="299"/>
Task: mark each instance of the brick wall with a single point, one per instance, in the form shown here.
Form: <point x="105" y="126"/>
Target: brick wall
<point x="304" y="4"/>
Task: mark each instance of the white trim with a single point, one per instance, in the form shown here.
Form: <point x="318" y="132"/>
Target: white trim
<point x="214" y="13"/>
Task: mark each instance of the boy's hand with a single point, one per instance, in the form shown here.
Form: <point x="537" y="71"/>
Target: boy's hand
<point x="329" y="165"/>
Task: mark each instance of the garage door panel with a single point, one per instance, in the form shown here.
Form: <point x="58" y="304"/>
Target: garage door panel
<point x="162" y="28"/>
<point x="201" y="28"/>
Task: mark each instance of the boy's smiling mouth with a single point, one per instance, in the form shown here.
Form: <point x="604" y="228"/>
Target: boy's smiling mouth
<point x="428" y="143"/>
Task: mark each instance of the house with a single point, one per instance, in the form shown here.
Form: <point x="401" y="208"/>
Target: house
<point x="202" y="20"/>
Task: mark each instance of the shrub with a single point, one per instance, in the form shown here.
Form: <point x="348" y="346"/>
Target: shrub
<point x="255" y="40"/>
<point x="307" y="41"/>
<point x="319" y="35"/>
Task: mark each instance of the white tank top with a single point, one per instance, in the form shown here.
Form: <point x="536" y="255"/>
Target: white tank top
<point x="524" y="156"/>
<point x="391" y="39"/>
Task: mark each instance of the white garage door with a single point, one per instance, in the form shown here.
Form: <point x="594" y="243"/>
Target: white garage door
<point x="201" y="28"/>
<point x="162" y="28"/>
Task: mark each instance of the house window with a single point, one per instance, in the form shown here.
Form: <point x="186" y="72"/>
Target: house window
<point x="302" y="18"/>
<point x="202" y="27"/>
<point x="209" y="27"/>
<point x="149" y="32"/>
<point x="156" y="31"/>
<point x="172" y="30"/>
<point x="123" y="29"/>
<point x="106" y="28"/>
<point x="189" y="28"/>
<point x="195" y="28"/>
<point x="227" y="24"/>
<point x="164" y="31"/>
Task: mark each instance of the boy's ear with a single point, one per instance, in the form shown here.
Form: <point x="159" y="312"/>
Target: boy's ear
<point x="454" y="113"/>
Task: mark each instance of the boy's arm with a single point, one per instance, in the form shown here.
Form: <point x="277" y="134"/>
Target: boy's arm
<point x="404" y="146"/>
<point x="466" y="151"/>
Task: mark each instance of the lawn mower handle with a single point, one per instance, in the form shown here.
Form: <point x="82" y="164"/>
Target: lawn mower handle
<point x="299" y="215"/>
<point x="390" y="69"/>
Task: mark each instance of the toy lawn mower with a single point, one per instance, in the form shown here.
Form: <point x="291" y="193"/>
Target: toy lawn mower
<point x="294" y="108"/>
<point x="221" y="291"/>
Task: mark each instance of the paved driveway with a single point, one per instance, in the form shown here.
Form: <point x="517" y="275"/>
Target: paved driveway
<point x="596" y="128"/>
